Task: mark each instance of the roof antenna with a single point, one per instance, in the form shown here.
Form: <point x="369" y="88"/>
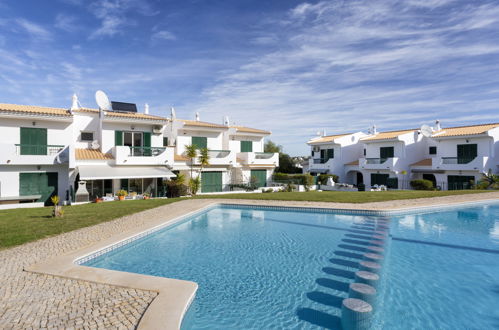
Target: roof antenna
<point x="75" y="104"/>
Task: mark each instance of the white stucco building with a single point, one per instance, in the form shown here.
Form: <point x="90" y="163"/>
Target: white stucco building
<point x="47" y="151"/>
<point x="450" y="157"/>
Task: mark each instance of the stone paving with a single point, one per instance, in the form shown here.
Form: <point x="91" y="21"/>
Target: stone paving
<point x="35" y="301"/>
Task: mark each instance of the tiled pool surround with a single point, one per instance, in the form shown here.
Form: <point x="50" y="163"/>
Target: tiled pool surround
<point x="184" y="291"/>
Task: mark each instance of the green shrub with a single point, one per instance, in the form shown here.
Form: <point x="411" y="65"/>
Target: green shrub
<point x="289" y="187"/>
<point x="194" y="184"/>
<point x="176" y="187"/>
<point x="421" y="184"/>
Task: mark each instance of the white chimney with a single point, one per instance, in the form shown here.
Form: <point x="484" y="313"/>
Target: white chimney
<point x="226" y="121"/>
<point x="437" y="125"/>
<point x="374" y="131"/>
<point x="75" y="104"/>
<point x="173" y="114"/>
<point x="197" y="116"/>
<point x="146" y="109"/>
<point x="323" y="132"/>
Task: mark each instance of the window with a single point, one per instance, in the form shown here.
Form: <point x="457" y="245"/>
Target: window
<point x="87" y="136"/>
<point x="433" y="150"/>
<point x="33" y="141"/>
<point x="246" y="146"/>
<point x="200" y="141"/>
<point x="165" y="142"/>
<point x="326" y="154"/>
<point x="365" y="151"/>
<point x="466" y="153"/>
<point x="386" y="152"/>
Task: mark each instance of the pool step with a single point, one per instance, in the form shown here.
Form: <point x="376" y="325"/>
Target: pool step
<point x="357" y="310"/>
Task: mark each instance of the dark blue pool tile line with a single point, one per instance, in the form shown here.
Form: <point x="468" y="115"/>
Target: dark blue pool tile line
<point x="453" y="246"/>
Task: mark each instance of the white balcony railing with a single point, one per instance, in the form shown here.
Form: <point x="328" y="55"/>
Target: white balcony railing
<point x="24" y="154"/>
<point x="459" y="163"/>
<point x="378" y="163"/>
<point x="258" y="158"/>
<point x="125" y="155"/>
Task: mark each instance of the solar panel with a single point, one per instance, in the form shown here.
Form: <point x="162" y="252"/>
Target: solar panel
<point x="123" y="106"/>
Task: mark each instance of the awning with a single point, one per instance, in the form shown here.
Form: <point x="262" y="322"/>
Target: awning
<point x="101" y="172"/>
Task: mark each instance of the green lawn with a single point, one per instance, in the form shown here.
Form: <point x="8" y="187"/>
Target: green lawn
<point x="19" y="226"/>
<point x="345" y="196"/>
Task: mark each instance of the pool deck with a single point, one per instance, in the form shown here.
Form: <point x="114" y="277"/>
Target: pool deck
<point x="42" y="287"/>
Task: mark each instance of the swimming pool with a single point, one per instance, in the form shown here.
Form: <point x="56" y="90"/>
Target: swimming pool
<point x="267" y="268"/>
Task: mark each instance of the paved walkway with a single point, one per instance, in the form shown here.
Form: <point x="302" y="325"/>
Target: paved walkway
<point x="33" y="301"/>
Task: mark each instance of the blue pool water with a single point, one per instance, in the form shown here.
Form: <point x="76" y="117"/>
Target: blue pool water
<point x="267" y="269"/>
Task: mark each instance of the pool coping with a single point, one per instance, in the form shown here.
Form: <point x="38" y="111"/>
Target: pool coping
<point x="175" y="296"/>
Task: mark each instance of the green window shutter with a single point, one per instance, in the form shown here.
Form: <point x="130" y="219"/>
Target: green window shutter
<point x="386" y="152"/>
<point x="147" y="139"/>
<point x="200" y="142"/>
<point x="330" y="153"/>
<point x="466" y="153"/>
<point x="211" y="181"/>
<point x="33" y="141"/>
<point x="260" y="176"/>
<point x="165" y="142"/>
<point x="118" y="138"/>
<point x="246" y="146"/>
<point x="323" y="155"/>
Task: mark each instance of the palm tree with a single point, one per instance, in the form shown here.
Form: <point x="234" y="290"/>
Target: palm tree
<point x="492" y="180"/>
<point x="204" y="158"/>
<point x="191" y="151"/>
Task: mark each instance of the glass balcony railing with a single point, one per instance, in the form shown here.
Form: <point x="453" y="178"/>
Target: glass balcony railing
<point x="146" y="151"/>
<point x="42" y="150"/>
<point x="320" y="160"/>
<point x="457" y="160"/>
<point x="218" y="153"/>
<point x="376" y="160"/>
<point x="263" y="155"/>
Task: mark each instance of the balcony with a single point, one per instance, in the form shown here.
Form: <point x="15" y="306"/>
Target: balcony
<point x="222" y="157"/>
<point x="460" y="163"/>
<point x="258" y="158"/>
<point x="378" y="163"/>
<point x="24" y="154"/>
<point x="125" y="155"/>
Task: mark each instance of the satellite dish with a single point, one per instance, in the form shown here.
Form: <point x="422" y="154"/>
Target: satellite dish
<point x="426" y="130"/>
<point x="102" y="101"/>
<point x="95" y="145"/>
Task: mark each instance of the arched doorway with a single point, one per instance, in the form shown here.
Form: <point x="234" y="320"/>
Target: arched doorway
<point x="430" y="177"/>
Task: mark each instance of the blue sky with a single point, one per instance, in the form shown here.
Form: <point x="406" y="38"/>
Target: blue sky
<point x="290" y="66"/>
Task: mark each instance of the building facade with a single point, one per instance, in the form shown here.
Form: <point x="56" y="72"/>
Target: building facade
<point x="54" y="151"/>
<point x="452" y="157"/>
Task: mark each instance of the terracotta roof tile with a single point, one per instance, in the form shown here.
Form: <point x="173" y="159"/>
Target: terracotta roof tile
<point x="180" y="158"/>
<point x="250" y="130"/>
<point x="35" y="110"/>
<point x="387" y="135"/>
<point x="134" y="115"/>
<point x="465" y="130"/>
<point x="91" y="154"/>
<point x="327" y="138"/>
<point x="201" y="124"/>
<point x="424" y="162"/>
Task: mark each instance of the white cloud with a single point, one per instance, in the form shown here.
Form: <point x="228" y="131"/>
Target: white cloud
<point x="346" y="67"/>
<point x="163" y="35"/>
<point x="114" y="15"/>
<point x="66" y="22"/>
<point x="34" y="30"/>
